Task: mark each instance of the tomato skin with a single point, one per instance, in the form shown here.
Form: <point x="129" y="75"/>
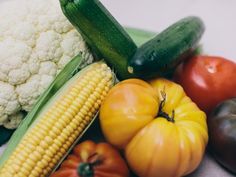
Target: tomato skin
<point x="207" y="80"/>
<point x="165" y="140"/>
<point x="222" y="134"/>
<point x="106" y="161"/>
<point x="125" y="99"/>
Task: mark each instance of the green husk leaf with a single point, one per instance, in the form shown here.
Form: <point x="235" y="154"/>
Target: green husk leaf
<point x="74" y="66"/>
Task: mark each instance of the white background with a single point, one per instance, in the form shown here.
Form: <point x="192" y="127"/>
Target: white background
<point x="219" y="17"/>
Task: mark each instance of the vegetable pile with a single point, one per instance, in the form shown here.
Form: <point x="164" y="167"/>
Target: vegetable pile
<point x="155" y="99"/>
<point x="36" y="42"/>
<point x="161" y="123"/>
<point x="208" y="80"/>
<point x="91" y="159"/>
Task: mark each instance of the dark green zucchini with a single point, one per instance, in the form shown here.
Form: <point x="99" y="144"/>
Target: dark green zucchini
<point x="105" y="36"/>
<point x="161" y="55"/>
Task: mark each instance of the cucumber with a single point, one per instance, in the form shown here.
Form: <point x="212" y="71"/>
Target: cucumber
<point x="104" y="35"/>
<point x="161" y="55"/>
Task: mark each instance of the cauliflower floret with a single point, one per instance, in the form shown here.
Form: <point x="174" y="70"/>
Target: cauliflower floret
<point x="48" y="46"/>
<point x="25" y="32"/>
<point x="13" y="120"/>
<point x="13" y="58"/>
<point x="71" y="43"/>
<point x="9" y="103"/>
<point x="32" y="53"/>
<point x="32" y="89"/>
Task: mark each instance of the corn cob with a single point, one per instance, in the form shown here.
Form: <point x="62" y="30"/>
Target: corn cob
<point x="58" y="125"/>
<point x="74" y="66"/>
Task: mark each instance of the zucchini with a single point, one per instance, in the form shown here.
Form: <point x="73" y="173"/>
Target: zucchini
<point x="161" y="55"/>
<point x="104" y="35"/>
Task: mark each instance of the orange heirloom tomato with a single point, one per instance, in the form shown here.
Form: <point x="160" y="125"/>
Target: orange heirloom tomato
<point x="93" y="160"/>
<point x="163" y="133"/>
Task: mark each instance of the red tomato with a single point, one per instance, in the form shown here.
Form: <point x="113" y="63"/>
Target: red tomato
<point x="93" y="160"/>
<point x="207" y="80"/>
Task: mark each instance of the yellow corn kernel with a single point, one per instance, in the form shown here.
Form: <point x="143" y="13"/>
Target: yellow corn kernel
<point x="58" y="126"/>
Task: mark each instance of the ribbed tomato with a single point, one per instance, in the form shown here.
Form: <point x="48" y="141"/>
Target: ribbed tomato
<point x="163" y="133"/>
<point x="93" y="160"/>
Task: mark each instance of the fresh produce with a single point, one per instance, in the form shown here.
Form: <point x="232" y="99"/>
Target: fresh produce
<point x="222" y="133"/>
<point x="102" y="32"/>
<point x="63" y="119"/>
<point x="73" y="67"/>
<point x="5" y="134"/>
<point x="207" y="80"/>
<point x="140" y="36"/>
<point x="163" y="133"/>
<point x="36" y="42"/>
<point x="67" y="72"/>
<point x="163" y="53"/>
<point x="93" y="160"/>
<point x="78" y="62"/>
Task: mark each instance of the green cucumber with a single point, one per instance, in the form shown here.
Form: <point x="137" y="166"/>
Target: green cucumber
<point x="161" y="55"/>
<point x="104" y="35"/>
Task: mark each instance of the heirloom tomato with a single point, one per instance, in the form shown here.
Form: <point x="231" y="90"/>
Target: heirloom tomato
<point x="163" y="133"/>
<point x="93" y="160"/>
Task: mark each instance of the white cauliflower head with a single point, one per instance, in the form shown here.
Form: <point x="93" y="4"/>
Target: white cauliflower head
<point x="36" y="42"/>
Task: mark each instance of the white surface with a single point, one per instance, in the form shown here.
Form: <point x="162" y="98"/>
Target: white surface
<point x="219" y="17"/>
<point x="2" y="148"/>
<point x="219" y="38"/>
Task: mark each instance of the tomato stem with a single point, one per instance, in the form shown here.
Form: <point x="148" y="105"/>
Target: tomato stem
<point x="86" y="169"/>
<point x="163" y="114"/>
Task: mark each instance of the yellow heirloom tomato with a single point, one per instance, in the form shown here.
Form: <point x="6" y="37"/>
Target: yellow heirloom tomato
<point x="163" y="133"/>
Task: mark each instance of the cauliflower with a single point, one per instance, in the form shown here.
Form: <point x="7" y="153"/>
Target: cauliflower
<point x="36" y="42"/>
